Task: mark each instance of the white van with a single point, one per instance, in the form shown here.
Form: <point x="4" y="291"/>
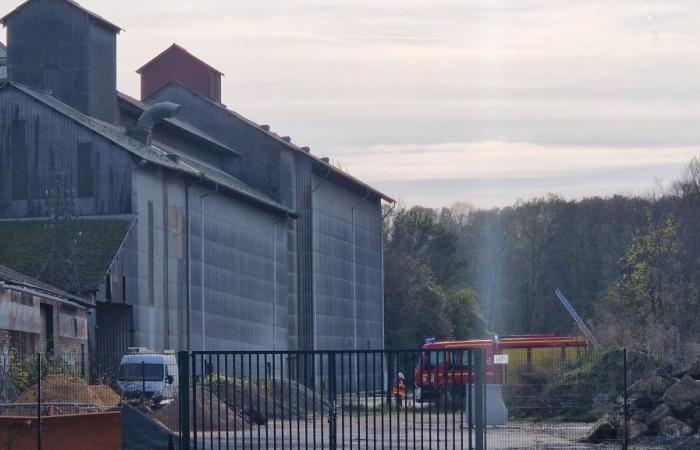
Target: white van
<point x="151" y="375"/>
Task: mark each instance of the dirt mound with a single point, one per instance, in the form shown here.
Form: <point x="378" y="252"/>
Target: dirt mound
<point x="280" y="399"/>
<point x="66" y="389"/>
<point x="212" y="415"/>
<point x="107" y="397"/>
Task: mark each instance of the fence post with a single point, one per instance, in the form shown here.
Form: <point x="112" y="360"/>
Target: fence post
<point x="479" y="404"/>
<point x="82" y="361"/>
<point x="38" y="400"/>
<point x="332" y="388"/>
<point x="143" y="381"/>
<point x="625" y="443"/>
<point x="183" y="368"/>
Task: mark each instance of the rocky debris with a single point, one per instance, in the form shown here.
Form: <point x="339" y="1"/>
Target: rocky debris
<point x="687" y="443"/>
<point x="653" y="385"/>
<point x="692" y="371"/>
<point x="674" y="428"/>
<point x="658" y="404"/>
<point x="658" y="414"/>
<point x="683" y="395"/>
<point x="636" y="429"/>
<point x="605" y="429"/>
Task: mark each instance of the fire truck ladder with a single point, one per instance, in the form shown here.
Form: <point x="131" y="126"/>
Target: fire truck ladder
<point x="582" y="326"/>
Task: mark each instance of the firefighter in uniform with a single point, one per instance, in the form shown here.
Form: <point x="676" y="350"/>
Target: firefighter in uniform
<point x="398" y="390"/>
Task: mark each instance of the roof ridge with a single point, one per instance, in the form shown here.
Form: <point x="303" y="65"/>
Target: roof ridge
<point x="280" y="139"/>
<point x="9" y="275"/>
<point x="151" y="154"/>
<point x="176" y="46"/>
<point x="116" y="28"/>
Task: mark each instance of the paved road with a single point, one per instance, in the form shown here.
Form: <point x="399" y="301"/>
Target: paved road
<point x="406" y="434"/>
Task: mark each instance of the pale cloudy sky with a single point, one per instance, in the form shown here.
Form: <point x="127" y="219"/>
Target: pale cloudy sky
<point x="483" y="101"/>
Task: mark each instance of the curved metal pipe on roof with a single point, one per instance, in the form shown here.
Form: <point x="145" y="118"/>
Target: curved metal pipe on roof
<point x="155" y="113"/>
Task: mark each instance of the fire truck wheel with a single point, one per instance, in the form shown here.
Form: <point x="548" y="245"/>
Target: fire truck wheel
<point x="449" y="398"/>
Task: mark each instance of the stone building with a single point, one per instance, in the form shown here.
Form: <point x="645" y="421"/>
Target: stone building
<point x="38" y="318"/>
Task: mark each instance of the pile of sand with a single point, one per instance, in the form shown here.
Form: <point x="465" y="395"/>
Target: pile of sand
<point x="212" y="415"/>
<point x="67" y="389"/>
<point x="106" y="396"/>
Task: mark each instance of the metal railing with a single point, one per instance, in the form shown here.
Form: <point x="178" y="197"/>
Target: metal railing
<point x="370" y="399"/>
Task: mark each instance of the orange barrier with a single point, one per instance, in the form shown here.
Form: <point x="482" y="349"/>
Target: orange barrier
<point x="99" y="431"/>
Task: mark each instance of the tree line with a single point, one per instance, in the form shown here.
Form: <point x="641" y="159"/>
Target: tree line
<point x="629" y="264"/>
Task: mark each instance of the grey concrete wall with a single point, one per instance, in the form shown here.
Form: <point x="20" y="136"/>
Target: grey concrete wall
<point x="236" y="271"/>
<point x="265" y="164"/>
<point x="48" y="146"/>
<point x="326" y="290"/>
<point x="347" y="264"/>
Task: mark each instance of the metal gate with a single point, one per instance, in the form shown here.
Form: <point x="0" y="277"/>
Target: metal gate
<point x="407" y="399"/>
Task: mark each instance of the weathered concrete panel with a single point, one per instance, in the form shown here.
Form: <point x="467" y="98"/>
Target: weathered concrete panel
<point x="347" y="243"/>
<point x="245" y="268"/>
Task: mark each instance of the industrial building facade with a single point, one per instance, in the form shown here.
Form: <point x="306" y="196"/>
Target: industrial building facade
<point x="187" y="225"/>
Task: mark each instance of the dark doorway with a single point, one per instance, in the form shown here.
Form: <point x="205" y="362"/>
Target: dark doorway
<point x="113" y="335"/>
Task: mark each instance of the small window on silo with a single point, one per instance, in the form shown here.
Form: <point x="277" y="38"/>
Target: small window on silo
<point x="86" y="172"/>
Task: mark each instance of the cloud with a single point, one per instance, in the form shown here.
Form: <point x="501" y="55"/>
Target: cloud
<point x="496" y="160"/>
<point x="412" y="94"/>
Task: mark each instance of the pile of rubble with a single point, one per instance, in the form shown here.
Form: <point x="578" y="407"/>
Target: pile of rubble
<point x="660" y="404"/>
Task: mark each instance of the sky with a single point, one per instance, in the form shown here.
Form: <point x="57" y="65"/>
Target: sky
<point x="443" y="101"/>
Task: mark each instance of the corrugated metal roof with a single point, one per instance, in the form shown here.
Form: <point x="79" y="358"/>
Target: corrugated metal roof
<point x="26" y="246"/>
<point x="318" y="161"/>
<point x="193" y="131"/>
<point x="177" y="47"/>
<point x="77" y="5"/>
<point x="158" y="153"/>
<point x="13" y="278"/>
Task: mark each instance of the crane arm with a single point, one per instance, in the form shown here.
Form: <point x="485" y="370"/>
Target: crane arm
<point x="582" y="326"/>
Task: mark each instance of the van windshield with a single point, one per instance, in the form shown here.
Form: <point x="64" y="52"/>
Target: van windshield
<point x="141" y="372"/>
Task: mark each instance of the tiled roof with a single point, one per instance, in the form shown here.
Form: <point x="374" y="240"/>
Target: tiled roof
<point x="158" y="153"/>
<point x="12" y="278"/>
<point x="85" y="248"/>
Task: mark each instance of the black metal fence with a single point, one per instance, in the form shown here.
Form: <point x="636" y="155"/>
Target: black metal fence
<point x="441" y="399"/>
<point x="403" y="399"/>
<point x="331" y="400"/>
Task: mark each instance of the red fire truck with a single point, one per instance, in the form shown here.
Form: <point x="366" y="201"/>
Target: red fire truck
<point x="444" y="367"/>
